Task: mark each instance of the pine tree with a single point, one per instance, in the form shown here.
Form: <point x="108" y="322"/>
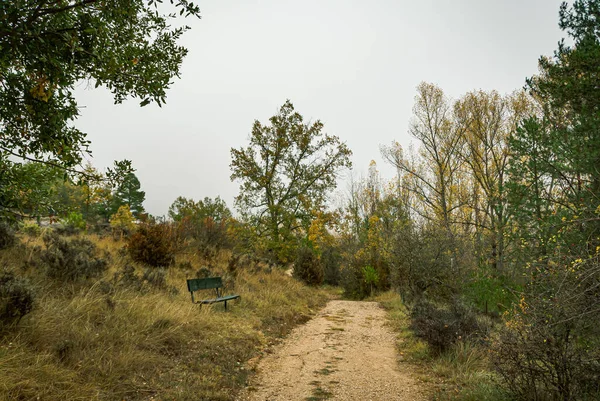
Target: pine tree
<point x="129" y="193"/>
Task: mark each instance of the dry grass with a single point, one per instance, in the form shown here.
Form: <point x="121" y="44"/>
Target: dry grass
<point x="93" y="341"/>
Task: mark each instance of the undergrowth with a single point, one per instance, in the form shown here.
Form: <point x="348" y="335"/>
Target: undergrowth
<point x="460" y="373"/>
<point x="119" y="337"/>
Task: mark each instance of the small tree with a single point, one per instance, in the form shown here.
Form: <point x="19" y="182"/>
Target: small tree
<point x="129" y="193"/>
<point x="370" y="276"/>
<point x="122" y="221"/>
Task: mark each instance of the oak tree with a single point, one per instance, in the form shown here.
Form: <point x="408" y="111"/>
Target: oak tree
<point x="286" y="174"/>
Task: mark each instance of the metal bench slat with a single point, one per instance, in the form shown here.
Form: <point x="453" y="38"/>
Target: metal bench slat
<point x="196" y="284"/>
<point x="221" y="299"/>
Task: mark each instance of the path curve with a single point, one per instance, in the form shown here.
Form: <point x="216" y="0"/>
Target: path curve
<point x="346" y="352"/>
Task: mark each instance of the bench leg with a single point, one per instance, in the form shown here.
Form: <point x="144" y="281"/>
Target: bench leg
<point x="225" y="302"/>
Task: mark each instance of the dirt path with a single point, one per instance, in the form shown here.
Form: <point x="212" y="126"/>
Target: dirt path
<point x="345" y="353"/>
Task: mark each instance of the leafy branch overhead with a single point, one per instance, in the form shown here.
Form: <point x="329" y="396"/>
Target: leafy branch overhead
<point x="46" y="47"/>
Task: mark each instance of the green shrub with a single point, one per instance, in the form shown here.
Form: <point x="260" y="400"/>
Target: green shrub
<point x="489" y="292"/>
<point x="370" y="276"/>
<point x="16" y="298"/>
<point x="331" y="266"/>
<point x="31" y="229"/>
<point x="443" y="326"/>
<point x="72" y="259"/>
<point x="7" y="236"/>
<point x="308" y="267"/>
<point x="154" y="245"/>
<point x="550" y="347"/>
<point x="352" y="280"/>
<point x="73" y="223"/>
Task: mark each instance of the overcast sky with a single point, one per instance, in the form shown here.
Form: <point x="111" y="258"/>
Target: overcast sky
<point x="354" y="65"/>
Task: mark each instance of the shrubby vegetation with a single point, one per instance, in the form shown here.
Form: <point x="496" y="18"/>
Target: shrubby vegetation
<point x="154" y="244"/>
<point x="16" y="298"/>
<point x="493" y="217"/>
<point x="308" y="267"/>
<point x="71" y="259"/>
<point x="443" y="326"/>
<point x="7" y="236"/>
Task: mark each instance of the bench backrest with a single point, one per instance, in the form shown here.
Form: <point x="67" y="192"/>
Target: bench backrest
<point x="196" y="284"/>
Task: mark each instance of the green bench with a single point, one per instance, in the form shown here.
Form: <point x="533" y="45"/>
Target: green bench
<point x="196" y="284"/>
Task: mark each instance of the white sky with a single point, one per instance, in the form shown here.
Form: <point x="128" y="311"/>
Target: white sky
<point x="352" y="64"/>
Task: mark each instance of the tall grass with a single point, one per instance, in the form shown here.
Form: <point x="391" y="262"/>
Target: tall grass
<point x="99" y="341"/>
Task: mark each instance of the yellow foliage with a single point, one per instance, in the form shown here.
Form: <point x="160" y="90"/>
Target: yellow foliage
<point x="123" y="219"/>
<point x="318" y="234"/>
<point x="43" y="89"/>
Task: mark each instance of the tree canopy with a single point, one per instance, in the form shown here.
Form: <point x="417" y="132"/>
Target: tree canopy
<point x="47" y="47"/>
<point x="183" y="208"/>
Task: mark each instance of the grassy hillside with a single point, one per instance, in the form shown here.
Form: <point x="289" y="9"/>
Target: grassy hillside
<point x="133" y="333"/>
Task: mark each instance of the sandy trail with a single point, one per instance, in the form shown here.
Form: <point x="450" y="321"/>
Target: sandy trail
<point x="345" y="353"/>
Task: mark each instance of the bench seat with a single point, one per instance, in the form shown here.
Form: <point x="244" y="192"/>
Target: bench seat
<point x="216" y="283"/>
<point x="220" y="299"/>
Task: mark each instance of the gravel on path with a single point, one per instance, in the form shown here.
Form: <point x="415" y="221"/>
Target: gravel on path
<point x="346" y="352"/>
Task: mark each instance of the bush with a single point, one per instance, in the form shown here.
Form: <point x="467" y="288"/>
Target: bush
<point x="154" y="245"/>
<point x="441" y="327"/>
<point x="488" y="291"/>
<point x="127" y="277"/>
<point x="7" y="236"/>
<point x="370" y="276"/>
<point x="31" y="229"/>
<point x="16" y="298"/>
<point x="331" y="266"/>
<point x="538" y="365"/>
<point x="550" y="347"/>
<point x="71" y="260"/>
<point x="211" y="233"/>
<point x="433" y="263"/>
<point x="352" y="280"/>
<point x="308" y="267"/>
<point x="122" y="222"/>
<point x="74" y="222"/>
